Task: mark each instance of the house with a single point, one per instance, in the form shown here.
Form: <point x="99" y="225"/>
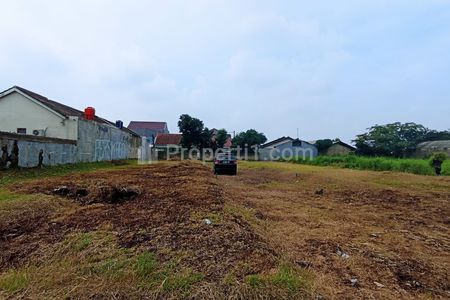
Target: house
<point x="273" y="144"/>
<point x="426" y="149"/>
<point x="171" y="141"/>
<point x="148" y="129"/>
<point x="63" y="133"/>
<point x="287" y="148"/>
<point x="167" y="145"/>
<point x="340" y="148"/>
<point x="229" y="142"/>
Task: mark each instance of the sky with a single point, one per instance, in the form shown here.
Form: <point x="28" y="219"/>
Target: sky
<point x="330" y="69"/>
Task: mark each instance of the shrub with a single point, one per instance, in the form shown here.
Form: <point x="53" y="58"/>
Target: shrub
<point x="440" y="156"/>
<point x="415" y="166"/>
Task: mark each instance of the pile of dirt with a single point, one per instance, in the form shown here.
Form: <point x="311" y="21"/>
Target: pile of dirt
<point x="161" y="208"/>
<point x="97" y="194"/>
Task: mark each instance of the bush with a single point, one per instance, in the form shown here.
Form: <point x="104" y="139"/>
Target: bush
<point x="440" y="156"/>
<point x="415" y="166"/>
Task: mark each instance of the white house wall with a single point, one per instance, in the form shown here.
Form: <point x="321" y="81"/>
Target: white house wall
<point x="17" y="111"/>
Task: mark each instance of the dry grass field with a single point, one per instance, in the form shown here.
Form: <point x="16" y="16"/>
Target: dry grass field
<point x="277" y="230"/>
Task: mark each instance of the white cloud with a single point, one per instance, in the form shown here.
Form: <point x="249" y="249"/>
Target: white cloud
<point x="287" y="62"/>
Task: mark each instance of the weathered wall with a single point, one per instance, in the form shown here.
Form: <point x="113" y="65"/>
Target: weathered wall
<point x="55" y="151"/>
<point x="96" y="142"/>
<point x="150" y="133"/>
<point x="338" y="149"/>
<point x="287" y="150"/>
<point x="17" y="111"/>
<point x="426" y="149"/>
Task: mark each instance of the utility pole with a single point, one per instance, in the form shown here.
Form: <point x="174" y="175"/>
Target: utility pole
<point x="297" y="134"/>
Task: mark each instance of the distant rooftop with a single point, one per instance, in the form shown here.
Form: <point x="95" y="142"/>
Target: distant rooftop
<point x="283" y="138"/>
<point x="147" y="125"/>
<point x="168" y="139"/>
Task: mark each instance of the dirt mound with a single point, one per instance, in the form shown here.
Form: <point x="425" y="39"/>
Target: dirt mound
<point x="160" y="208"/>
<point x="97" y="194"/>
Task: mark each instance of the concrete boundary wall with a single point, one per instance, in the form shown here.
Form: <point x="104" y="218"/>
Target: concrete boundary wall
<point x="96" y="142"/>
<point x="55" y="151"/>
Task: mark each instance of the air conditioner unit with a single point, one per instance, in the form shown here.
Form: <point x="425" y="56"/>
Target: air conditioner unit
<point x="39" y="132"/>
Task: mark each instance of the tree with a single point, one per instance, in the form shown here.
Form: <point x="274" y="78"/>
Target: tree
<point x="220" y="138"/>
<point x="194" y="134"/>
<point x="323" y="145"/>
<point x="395" y="139"/>
<point x="434" y="135"/>
<point x="249" y="138"/>
<point x="206" y="139"/>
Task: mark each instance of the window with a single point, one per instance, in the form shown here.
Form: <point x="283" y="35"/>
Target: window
<point x="22" y="130"/>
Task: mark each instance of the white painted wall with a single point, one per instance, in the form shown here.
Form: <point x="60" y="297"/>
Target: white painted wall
<point x="17" y="111"/>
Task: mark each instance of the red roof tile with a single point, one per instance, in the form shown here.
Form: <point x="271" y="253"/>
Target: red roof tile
<point x="168" y="139"/>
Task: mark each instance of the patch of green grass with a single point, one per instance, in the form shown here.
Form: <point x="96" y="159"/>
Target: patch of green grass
<point x="84" y="241"/>
<point x="168" y="278"/>
<point x="181" y="282"/>
<point x="255" y="280"/>
<point x="16" y="175"/>
<point x="146" y="264"/>
<point x="289" y="278"/>
<point x="113" y="267"/>
<point x="13" y="281"/>
<point x="415" y="166"/>
<point x="6" y="195"/>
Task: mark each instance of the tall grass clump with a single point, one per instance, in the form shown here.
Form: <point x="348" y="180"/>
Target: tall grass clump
<point x="407" y="165"/>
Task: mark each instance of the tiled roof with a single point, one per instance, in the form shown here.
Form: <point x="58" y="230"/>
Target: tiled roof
<point x="147" y="125"/>
<point x="56" y="106"/>
<point x="168" y="139"/>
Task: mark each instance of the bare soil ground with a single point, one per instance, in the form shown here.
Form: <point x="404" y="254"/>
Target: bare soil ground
<point x="277" y="231"/>
<point x="363" y="234"/>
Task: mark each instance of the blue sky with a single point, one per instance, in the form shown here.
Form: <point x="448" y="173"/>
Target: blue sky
<point x="329" y="68"/>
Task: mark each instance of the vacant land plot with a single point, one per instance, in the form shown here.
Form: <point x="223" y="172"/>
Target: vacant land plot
<point x="277" y="230"/>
